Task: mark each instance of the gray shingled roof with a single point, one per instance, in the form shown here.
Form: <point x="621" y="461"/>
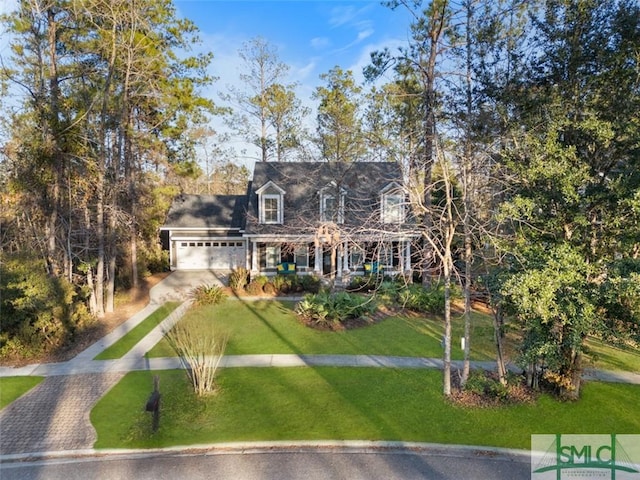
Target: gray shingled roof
<point x="200" y="212"/>
<point x="362" y="183"/>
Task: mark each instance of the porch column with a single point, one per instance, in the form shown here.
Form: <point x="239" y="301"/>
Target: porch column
<point x="171" y="252"/>
<point x="407" y="255"/>
<point x="345" y="263"/>
<point x="254" y="257"/>
<point x="340" y="252"/>
<point x="317" y="264"/>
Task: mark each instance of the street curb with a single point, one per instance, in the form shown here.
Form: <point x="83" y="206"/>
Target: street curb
<point x="243" y="448"/>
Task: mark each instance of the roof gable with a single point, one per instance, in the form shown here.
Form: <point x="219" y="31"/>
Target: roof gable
<point x="270" y="188"/>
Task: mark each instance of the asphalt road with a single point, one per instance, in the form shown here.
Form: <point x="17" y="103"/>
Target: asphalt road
<point x="280" y="465"/>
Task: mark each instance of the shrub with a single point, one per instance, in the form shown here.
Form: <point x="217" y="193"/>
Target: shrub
<point x="269" y="288"/>
<point x="281" y="284"/>
<point x="330" y="310"/>
<point x="152" y="260"/>
<point x="200" y="348"/>
<point x="208" y="295"/>
<point x="239" y="278"/>
<point x="487" y="385"/>
<point x="40" y="313"/>
<point x="421" y="299"/>
<point x="310" y="283"/>
<point x="314" y="312"/>
<point x="362" y="284"/>
<point x="389" y="292"/>
<point x="261" y="280"/>
<point x="254" y="288"/>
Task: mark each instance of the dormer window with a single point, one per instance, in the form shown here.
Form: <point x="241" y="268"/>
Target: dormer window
<point x="332" y="204"/>
<point x="392" y="204"/>
<point x="271" y="204"/>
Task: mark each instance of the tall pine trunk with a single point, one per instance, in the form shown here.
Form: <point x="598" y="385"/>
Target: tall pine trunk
<point x="57" y="154"/>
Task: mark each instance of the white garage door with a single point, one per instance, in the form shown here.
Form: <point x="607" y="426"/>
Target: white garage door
<point x="201" y="255"/>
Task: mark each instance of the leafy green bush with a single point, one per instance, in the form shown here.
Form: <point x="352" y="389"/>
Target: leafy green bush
<point x="239" y="278"/>
<point x="314" y="312"/>
<point x="428" y="300"/>
<point x="152" y="260"/>
<point x="208" y="295"/>
<point x="363" y="284"/>
<point x="310" y="283"/>
<point x="332" y="309"/>
<point x="281" y="283"/>
<point x="261" y="280"/>
<point x="39" y="313"/>
<point x="389" y="292"/>
<point x="487" y="385"/>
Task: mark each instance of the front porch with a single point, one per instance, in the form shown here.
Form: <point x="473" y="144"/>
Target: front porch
<point x="331" y="260"/>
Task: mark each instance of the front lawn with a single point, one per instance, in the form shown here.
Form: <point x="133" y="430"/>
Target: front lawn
<point x="329" y="403"/>
<point x="271" y="327"/>
<point x="13" y="387"/>
<point x="607" y="357"/>
<point x="137" y="333"/>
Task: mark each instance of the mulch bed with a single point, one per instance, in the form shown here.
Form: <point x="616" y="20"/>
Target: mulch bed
<point x="517" y="392"/>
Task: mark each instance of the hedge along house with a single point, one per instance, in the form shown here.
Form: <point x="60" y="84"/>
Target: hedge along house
<point x="331" y="219"/>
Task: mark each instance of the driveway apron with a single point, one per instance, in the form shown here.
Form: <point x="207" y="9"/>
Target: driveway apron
<point x="54" y="415"/>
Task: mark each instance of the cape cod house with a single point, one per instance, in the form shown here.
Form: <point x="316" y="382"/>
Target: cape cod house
<point x="299" y="217"/>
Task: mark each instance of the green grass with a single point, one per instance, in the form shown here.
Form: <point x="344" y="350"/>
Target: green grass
<point x="609" y="357"/>
<point x="331" y="403"/>
<point x="126" y="343"/>
<point x="270" y="327"/>
<point x="13" y="387"/>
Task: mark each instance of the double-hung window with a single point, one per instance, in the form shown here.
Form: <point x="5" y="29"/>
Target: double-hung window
<point x="393" y="209"/>
<point x="270" y="204"/>
<point x="271" y="209"/>
<point x="393" y="205"/>
<point x="332" y="205"/>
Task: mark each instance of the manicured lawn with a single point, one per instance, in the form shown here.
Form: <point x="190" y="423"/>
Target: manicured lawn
<point x="126" y="343"/>
<point x="612" y="358"/>
<point x="270" y="327"/>
<point x="14" y="387"/>
<point x="330" y="403"/>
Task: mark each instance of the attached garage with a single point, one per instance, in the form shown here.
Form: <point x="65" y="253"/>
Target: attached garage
<point x="209" y="255"/>
<point x="204" y="232"/>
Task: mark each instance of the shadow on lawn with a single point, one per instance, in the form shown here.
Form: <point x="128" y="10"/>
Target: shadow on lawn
<point x="379" y="424"/>
<point x="249" y="305"/>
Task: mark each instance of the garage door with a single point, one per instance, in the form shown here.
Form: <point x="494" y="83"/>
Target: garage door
<point x="195" y="255"/>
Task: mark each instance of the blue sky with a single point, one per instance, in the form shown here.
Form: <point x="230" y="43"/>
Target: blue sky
<point x="311" y="37"/>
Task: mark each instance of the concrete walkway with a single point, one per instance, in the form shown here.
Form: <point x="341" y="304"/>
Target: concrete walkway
<point x="54" y="416"/>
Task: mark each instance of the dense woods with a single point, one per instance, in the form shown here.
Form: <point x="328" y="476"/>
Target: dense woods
<point x="516" y="123"/>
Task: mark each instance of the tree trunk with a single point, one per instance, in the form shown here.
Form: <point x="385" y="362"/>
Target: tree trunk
<point x="467" y="302"/>
<point x="447" y="329"/>
<point x="572" y="391"/>
<point x="497" y="336"/>
<point x="58" y="165"/>
<point x="100" y="231"/>
<point x="133" y="247"/>
<point x="111" y="273"/>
